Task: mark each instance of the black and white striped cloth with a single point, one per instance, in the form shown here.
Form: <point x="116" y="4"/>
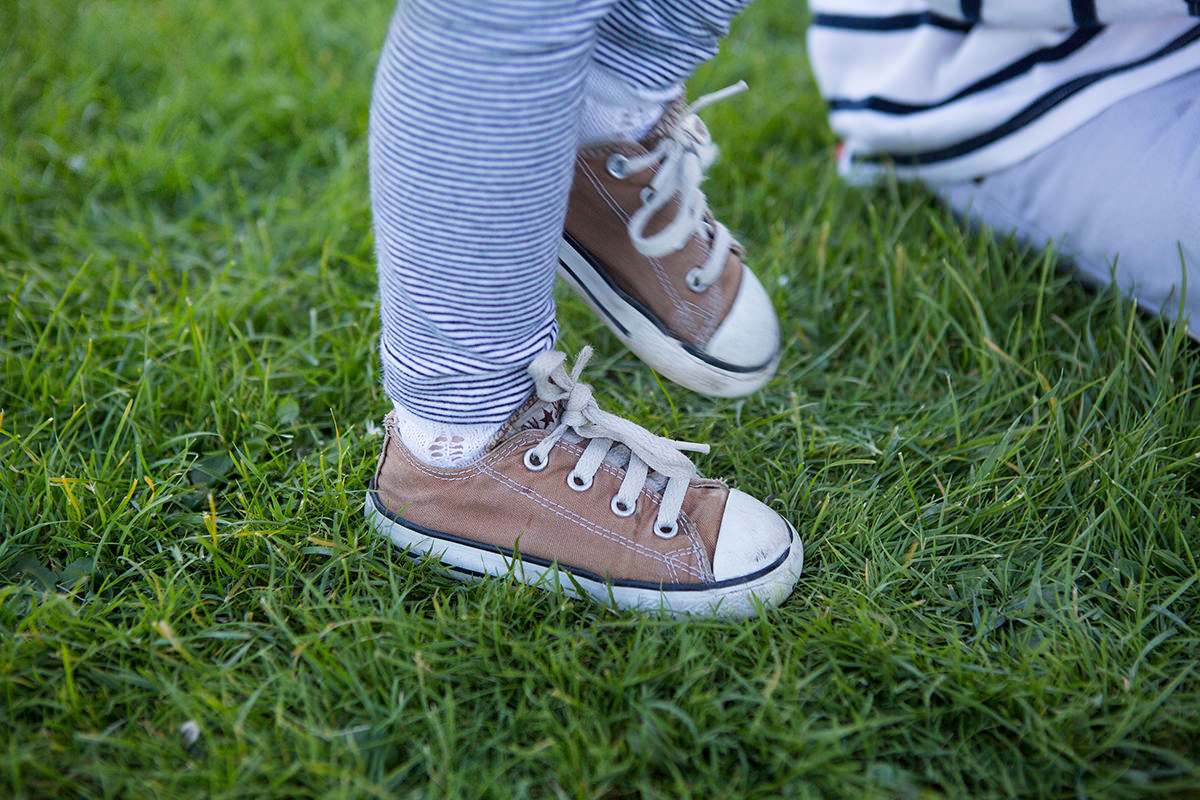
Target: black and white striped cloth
<point x="473" y="133"/>
<point x="946" y="90"/>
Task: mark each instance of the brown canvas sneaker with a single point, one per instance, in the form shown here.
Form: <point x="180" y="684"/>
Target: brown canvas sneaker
<point x="643" y="251"/>
<point x="571" y="497"/>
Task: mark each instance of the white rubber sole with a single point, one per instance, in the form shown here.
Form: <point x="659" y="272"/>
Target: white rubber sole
<point x="643" y="334"/>
<point x="735" y="598"/>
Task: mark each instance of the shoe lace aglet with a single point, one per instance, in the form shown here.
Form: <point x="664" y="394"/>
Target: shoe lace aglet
<point x="706" y="100"/>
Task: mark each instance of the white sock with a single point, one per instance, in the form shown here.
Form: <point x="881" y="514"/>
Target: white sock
<point x="443" y="444"/>
<point x="614" y="111"/>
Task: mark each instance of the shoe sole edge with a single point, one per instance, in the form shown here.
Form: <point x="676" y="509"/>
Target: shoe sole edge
<point x="735" y="598"/>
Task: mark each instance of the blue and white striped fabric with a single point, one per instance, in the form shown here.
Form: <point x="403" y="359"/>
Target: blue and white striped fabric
<point x="945" y="90"/>
<point x="472" y="139"/>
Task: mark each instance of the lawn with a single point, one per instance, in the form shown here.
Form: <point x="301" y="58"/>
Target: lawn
<point x="996" y="472"/>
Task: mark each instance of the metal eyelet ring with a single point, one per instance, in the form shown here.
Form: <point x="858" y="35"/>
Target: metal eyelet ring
<point x="619" y="507"/>
<point x="647" y="194"/>
<point x="693" y="282"/>
<point x="535" y="462"/>
<point x="666" y="531"/>
<point x="578" y="482"/>
<point x="616" y="166"/>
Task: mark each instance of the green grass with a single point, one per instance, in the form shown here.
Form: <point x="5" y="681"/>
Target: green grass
<point x="996" y="473"/>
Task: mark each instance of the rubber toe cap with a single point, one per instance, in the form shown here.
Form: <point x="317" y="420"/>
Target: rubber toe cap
<point x="749" y="334"/>
<point x="752" y="536"/>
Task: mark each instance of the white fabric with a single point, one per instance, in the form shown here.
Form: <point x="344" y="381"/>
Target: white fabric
<point x="442" y="444"/>
<point x="1120" y="197"/>
<point x="976" y="98"/>
<point x="614" y="111"/>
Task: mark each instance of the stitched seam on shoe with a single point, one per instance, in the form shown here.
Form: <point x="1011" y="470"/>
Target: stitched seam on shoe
<point x="478" y="467"/>
<point x="487" y="471"/>
<point x="584" y="522"/>
<point x="708" y="313"/>
<point x="687" y="527"/>
<point x="664" y="279"/>
<point x="481" y="469"/>
<point x="425" y="469"/>
<point x="474" y="469"/>
<point x="693" y="537"/>
<point x="707" y="316"/>
<point x="680" y="555"/>
<point x="686" y="308"/>
<point x="716" y="300"/>
<point x="660" y="270"/>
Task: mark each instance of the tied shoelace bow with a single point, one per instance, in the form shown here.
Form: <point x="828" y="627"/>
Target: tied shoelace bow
<point x="604" y="430"/>
<point x="681" y="155"/>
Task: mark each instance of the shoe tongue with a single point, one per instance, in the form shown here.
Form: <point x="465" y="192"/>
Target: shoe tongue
<point x="666" y="122"/>
<point x="533" y="415"/>
<point x="538" y="415"/>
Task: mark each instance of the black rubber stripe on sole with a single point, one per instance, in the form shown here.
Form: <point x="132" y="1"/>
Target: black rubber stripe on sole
<point x="373" y="493"/>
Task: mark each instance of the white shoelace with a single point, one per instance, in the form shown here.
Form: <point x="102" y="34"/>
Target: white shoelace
<point x="682" y="155"/>
<point x="604" y="430"/>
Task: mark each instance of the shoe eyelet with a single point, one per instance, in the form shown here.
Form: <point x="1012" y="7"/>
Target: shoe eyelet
<point x="535" y="462"/>
<point x="578" y="482"/>
<point x="616" y="166"/>
<point x="647" y="194"/>
<point x="619" y="507"/>
<point x="694" y="283"/>
<point x="666" y="531"/>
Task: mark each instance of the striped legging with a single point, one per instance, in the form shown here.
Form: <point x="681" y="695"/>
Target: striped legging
<point x="472" y="139"/>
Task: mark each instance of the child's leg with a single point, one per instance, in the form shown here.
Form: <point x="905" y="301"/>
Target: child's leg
<point x="654" y="45"/>
<point x="1119" y="196"/>
<point x="473" y="135"/>
<point x="473" y="131"/>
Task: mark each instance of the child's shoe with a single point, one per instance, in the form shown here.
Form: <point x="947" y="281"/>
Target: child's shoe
<point x="568" y="496"/>
<point x="642" y="249"/>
